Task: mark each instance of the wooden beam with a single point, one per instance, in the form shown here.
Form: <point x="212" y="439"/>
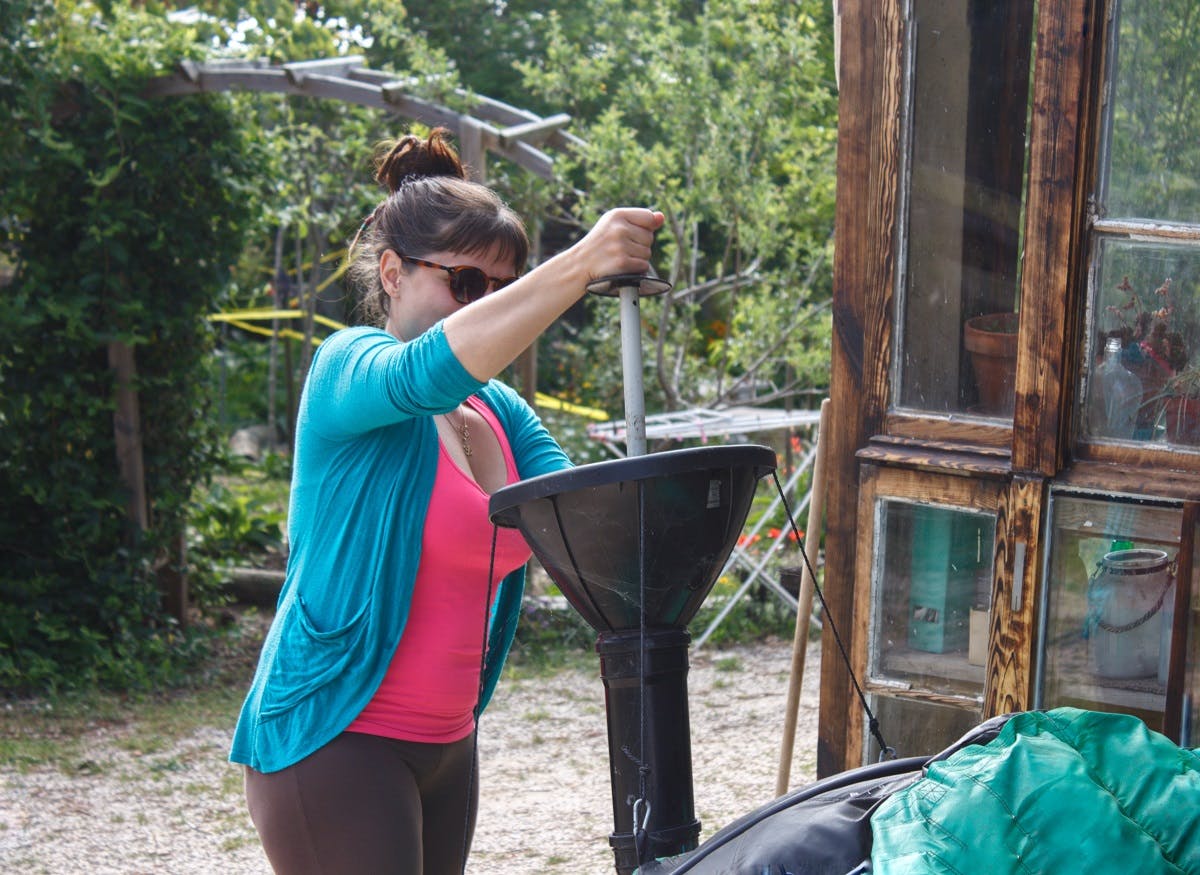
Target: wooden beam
<point x="211" y="78"/>
<point x="325" y="87"/>
<point x="868" y="175"/>
<point x="524" y="155"/>
<point x="402" y="103"/>
<point x="1051" y="277"/>
<point x="298" y="71"/>
<point x="344" y="79"/>
<point x="484" y="108"/>
<point x="473" y="148"/>
<point x="1008" y="682"/>
<point x="533" y="132"/>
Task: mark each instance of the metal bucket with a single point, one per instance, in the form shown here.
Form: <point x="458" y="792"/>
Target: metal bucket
<point x="1126" y="596"/>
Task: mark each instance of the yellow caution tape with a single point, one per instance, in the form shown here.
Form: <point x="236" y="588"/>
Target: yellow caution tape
<point x="242" y="319"/>
<point x="266" y="332"/>
<point x="259" y="314"/>
<point x="549" y="401"/>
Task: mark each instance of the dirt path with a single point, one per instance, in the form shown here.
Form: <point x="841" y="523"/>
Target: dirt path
<point x="546" y="804"/>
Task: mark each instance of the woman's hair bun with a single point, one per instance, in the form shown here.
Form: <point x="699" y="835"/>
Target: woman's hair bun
<point x="413" y="157"/>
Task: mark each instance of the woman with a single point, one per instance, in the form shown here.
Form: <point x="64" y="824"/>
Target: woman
<point x="358" y="730"/>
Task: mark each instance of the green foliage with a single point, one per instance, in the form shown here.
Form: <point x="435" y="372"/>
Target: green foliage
<point x="1155" y="147"/>
<point x="230" y="525"/>
<point x="240" y="516"/>
<point x="483" y="40"/>
<point x="570" y="430"/>
<point x="122" y="217"/>
<point x="723" y="116"/>
<point x="758" y="616"/>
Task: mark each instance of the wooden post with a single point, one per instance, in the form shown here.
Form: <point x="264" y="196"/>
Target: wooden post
<point x="526" y="363"/>
<point x="127" y="431"/>
<point x="473" y="149"/>
<point x="869" y="127"/>
<point x="1009" y="676"/>
<point x="816" y="509"/>
<point x="173" y="581"/>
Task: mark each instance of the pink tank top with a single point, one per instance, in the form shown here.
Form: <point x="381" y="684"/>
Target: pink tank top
<point x="432" y="684"/>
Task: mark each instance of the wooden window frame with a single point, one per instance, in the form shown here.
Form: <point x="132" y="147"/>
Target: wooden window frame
<point x="879" y="483"/>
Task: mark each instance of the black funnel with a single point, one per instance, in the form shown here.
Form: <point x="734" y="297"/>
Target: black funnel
<point x="635" y="545"/>
<point x="668" y="520"/>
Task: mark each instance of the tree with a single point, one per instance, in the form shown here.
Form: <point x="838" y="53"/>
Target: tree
<point x="723" y="115"/>
<point x="1155" y="141"/>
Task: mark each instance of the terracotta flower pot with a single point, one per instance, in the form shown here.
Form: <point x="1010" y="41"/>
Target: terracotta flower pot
<point x="991" y="339"/>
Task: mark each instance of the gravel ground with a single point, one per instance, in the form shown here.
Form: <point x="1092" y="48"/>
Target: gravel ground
<point x="546" y="805"/>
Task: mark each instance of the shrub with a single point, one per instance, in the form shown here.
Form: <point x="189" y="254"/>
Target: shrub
<point x="120" y="216"/>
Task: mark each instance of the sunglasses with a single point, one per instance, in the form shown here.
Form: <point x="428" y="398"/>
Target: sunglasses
<point x="467" y="284"/>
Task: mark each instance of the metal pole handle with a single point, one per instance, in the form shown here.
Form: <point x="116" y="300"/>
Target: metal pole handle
<point x="631" y="367"/>
<point x="630" y="289"/>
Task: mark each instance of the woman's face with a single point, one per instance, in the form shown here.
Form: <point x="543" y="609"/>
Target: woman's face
<point x="419" y="295"/>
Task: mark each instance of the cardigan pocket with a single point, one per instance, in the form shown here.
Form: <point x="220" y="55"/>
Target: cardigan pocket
<point x="308" y="658"/>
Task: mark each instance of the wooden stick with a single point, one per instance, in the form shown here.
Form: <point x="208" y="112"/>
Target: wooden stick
<point x="816" y="509"/>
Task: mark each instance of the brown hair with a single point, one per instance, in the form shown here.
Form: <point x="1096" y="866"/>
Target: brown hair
<point x="431" y="207"/>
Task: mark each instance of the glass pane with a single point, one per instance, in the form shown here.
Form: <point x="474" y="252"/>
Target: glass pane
<point x="1154" y="165"/>
<point x="968" y="98"/>
<point x="1143" y="379"/>
<point x="1109" y="605"/>
<point x="932" y="582"/>
<point x="917" y="728"/>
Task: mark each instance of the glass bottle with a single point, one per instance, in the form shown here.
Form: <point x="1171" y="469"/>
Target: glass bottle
<point x="1116" y="395"/>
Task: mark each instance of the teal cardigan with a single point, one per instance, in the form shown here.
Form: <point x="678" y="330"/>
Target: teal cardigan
<point x="365" y="459"/>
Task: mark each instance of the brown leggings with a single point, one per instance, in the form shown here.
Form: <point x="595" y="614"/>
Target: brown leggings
<point x="367" y="804"/>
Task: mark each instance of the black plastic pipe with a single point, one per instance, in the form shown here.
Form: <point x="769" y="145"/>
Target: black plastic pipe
<point x="649" y="745"/>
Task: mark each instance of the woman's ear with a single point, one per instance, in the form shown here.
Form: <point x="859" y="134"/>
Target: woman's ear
<point x="391" y="270"/>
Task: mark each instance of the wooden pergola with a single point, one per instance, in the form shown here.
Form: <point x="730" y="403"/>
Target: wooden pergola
<point x="491" y="127"/>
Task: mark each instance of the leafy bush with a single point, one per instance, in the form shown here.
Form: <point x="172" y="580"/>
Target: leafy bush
<point x="121" y="216"/>
<point x="229" y="525"/>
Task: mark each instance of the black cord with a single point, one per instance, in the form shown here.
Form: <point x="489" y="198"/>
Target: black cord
<point x="487" y="616"/>
<point x="639" y="834"/>
<point x="885" y="752"/>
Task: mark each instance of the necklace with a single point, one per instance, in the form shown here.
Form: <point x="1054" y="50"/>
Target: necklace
<point x="463" y="432"/>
